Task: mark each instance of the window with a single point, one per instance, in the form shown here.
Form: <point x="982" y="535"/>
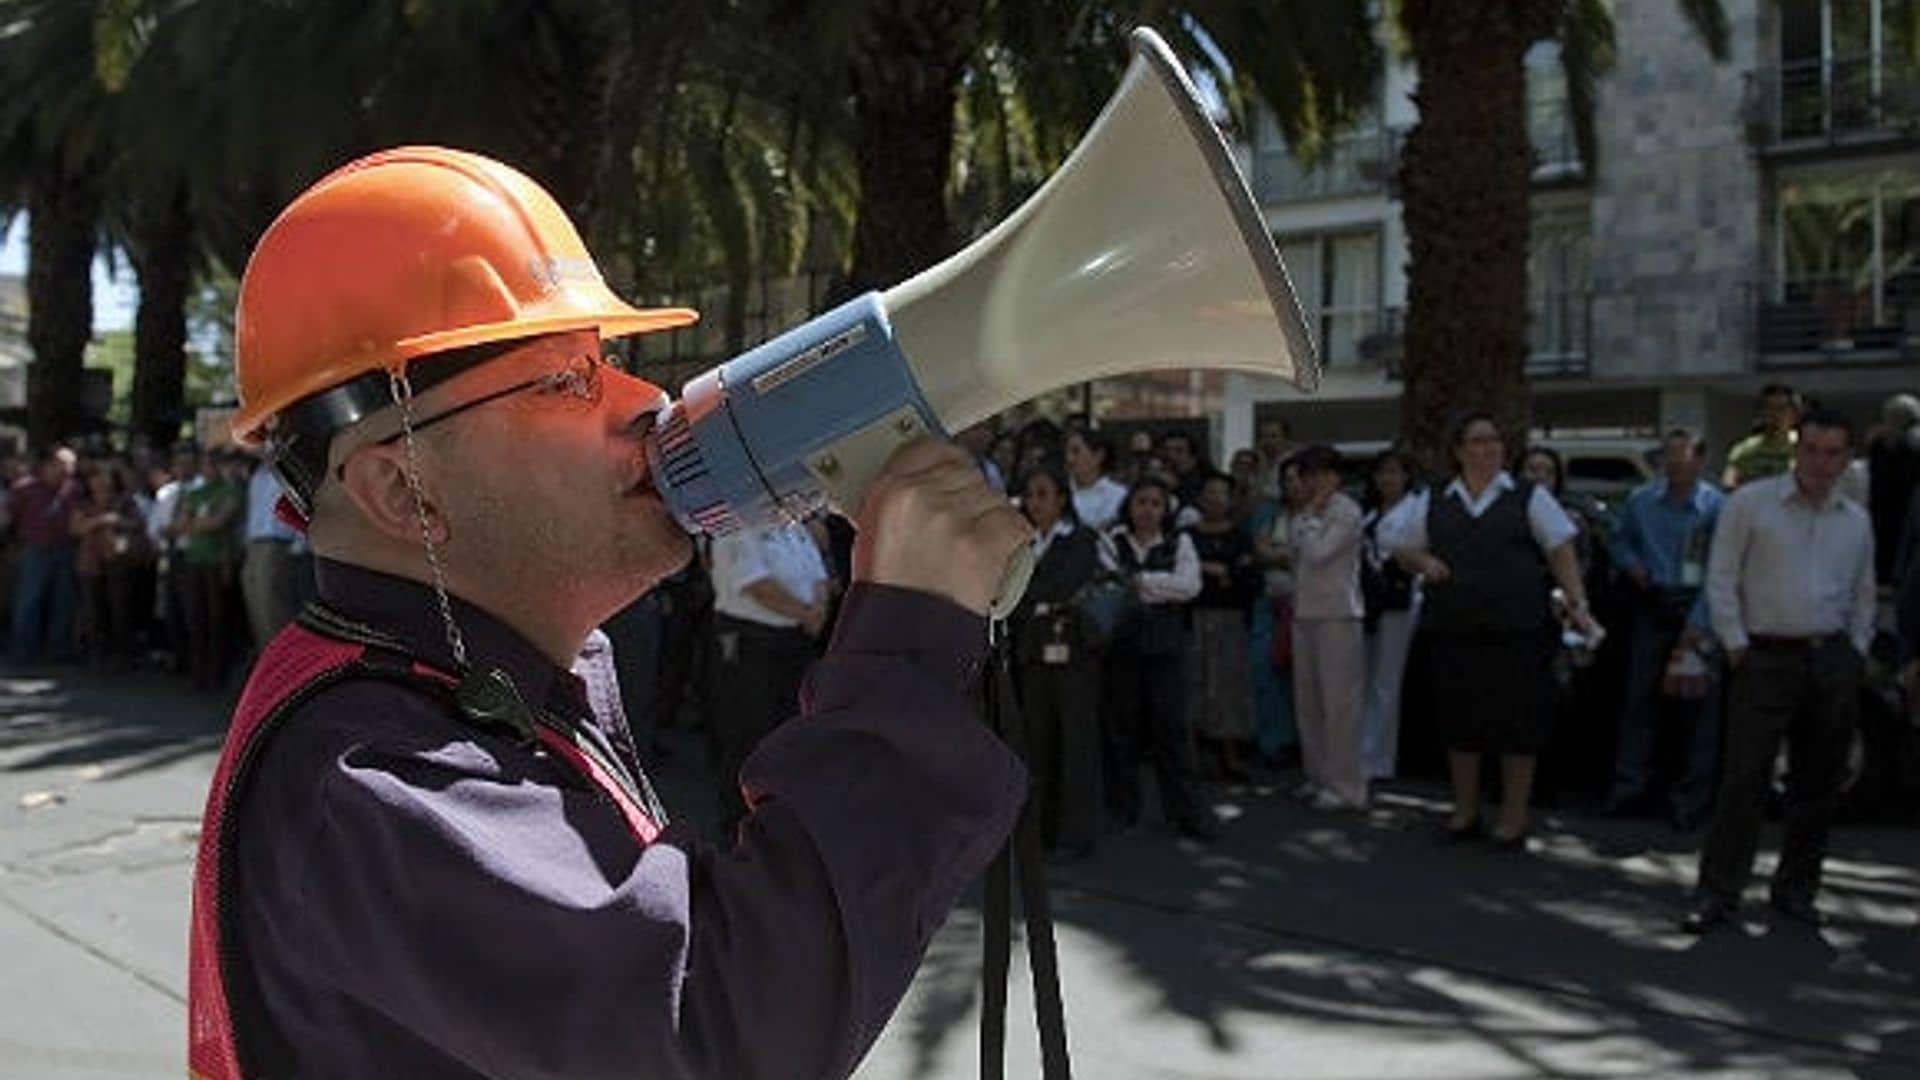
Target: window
<point x="1549" y="114"/>
<point x="1847" y="65"/>
<point x="1337" y="277"/>
<point x="1559" y="283"/>
<point x="1848" y="255"/>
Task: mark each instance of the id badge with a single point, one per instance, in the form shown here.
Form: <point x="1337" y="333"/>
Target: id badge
<point x="1056" y="653"/>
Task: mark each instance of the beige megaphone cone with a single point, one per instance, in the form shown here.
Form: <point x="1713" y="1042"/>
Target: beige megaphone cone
<point x="1144" y="252"/>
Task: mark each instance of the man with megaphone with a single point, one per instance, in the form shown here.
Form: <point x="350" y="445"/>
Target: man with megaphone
<point x="429" y="849"/>
<point x="425" y="854"/>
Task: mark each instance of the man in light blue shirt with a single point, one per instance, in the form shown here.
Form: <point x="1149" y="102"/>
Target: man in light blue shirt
<point x="1660" y="543"/>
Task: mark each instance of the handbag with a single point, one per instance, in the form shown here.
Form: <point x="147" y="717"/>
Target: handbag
<point x="1107" y="604"/>
<point x="1280" y="654"/>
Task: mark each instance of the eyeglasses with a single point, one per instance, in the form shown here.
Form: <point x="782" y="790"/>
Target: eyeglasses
<point x="580" y="382"/>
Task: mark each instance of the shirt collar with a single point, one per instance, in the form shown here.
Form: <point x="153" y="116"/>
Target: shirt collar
<point x="1790" y="491"/>
<point x="408" y="610"/>
<point x="1502" y="481"/>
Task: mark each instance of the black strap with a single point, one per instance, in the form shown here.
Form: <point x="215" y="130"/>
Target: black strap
<point x="1003" y="717"/>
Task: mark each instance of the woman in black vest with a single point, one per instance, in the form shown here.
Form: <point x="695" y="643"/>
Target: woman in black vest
<point x="1058" y="673"/>
<point x="1483" y="549"/>
<point x="1146" y="688"/>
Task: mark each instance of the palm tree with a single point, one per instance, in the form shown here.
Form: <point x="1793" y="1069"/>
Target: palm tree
<point x="52" y="143"/>
<point x="910" y="60"/>
<point x="153" y="177"/>
<point x="1465" y="181"/>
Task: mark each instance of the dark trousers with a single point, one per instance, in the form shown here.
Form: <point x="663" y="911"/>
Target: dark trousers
<point x="208" y="605"/>
<point x="175" y="584"/>
<point x="1146" y="719"/>
<point x="45" y="593"/>
<point x="1809" y="695"/>
<point x="756" y="687"/>
<point x="106" y="605"/>
<point x="1061" y="703"/>
<point x="1647" y="710"/>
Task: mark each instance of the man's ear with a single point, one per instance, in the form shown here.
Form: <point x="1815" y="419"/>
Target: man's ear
<point x="375" y="479"/>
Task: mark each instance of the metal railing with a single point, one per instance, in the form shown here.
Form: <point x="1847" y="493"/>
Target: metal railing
<point x="1353" y="165"/>
<point x="1560" y="334"/>
<point x="1836" y="101"/>
<point x="1836" y="320"/>
<point x="1559" y="338"/>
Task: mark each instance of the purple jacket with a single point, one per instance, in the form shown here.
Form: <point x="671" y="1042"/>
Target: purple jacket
<point x="424" y="899"/>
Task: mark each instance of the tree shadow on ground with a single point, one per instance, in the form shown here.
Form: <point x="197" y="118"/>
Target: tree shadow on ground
<point x="116" y="726"/>
<point x="1366" y="921"/>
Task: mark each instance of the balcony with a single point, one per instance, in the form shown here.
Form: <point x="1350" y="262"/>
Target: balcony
<point x="1837" y="321"/>
<point x="1560" y="334"/>
<point x="1356" y="164"/>
<point x="1813" y="107"/>
<point x="1559" y="338"/>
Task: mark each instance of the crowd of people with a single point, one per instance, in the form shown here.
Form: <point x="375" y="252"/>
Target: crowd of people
<point x="1210" y="625"/>
<point x="1260" y="622"/>
<point x="122" y="560"/>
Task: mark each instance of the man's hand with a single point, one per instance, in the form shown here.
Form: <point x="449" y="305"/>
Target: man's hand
<point x="1638" y="575"/>
<point x="815" y="620"/>
<point x="930" y="522"/>
<point x="1435" y="571"/>
<point x="1736" y="657"/>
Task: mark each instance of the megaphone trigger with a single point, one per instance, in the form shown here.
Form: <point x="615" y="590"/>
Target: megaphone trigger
<point x="846" y="466"/>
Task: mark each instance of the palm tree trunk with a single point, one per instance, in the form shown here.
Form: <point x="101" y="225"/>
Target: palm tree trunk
<point x="162" y="253"/>
<point x="906" y="66"/>
<point x="63" y="208"/>
<point x="1465" y="180"/>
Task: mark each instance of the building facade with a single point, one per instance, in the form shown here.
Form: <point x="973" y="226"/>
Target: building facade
<point x="1747" y="221"/>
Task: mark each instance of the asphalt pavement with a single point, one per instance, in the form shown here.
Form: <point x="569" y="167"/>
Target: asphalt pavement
<point x="1301" y="944"/>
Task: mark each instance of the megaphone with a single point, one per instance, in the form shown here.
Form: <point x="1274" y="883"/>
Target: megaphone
<point x="1145" y="251"/>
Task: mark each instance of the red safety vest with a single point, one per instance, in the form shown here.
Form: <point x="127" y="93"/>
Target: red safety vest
<point x="296" y="665"/>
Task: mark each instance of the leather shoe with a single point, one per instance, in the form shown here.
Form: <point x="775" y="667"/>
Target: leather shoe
<point x="1706" y="914"/>
<point x="1516" y="842"/>
<point x="1801" y="910"/>
<point x="1200" y="826"/>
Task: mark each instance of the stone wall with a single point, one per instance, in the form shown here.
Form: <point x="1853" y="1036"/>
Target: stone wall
<point x="1677" y="196"/>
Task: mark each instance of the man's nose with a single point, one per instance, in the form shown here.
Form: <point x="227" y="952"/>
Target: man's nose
<point x="636" y="402"/>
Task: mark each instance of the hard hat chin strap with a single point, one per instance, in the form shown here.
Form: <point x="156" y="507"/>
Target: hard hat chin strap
<point x="402" y="392"/>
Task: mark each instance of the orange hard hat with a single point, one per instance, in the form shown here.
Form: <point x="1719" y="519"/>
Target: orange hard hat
<point x="408" y="252"/>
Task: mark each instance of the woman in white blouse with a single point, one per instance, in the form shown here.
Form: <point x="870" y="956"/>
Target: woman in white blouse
<point x="1146" y="666"/>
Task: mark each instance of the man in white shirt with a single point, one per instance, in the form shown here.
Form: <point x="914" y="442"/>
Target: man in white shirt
<point x="771" y="595"/>
<point x="170" y="599"/>
<point x="1791" y="592"/>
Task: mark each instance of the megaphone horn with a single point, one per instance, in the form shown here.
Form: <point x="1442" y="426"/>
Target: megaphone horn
<point x="1145" y="251"/>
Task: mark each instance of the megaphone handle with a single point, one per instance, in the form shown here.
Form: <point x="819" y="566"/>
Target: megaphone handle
<point x="1013" y="584"/>
<point x="844" y="468"/>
